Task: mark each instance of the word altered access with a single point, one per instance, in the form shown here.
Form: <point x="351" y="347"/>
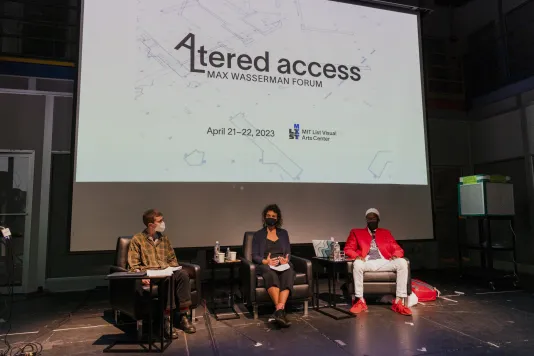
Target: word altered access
<point x="262" y="63"/>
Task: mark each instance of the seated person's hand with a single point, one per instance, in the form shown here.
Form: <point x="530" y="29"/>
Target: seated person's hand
<point x="145" y="282"/>
<point x="284" y="260"/>
<point x="271" y="261"/>
<point x="359" y="258"/>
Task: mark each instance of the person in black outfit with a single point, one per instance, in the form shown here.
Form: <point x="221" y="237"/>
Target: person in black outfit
<point x="271" y="248"/>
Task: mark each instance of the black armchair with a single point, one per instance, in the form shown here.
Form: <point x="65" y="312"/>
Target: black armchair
<point x="123" y="296"/>
<point x="377" y="283"/>
<point x="252" y="285"/>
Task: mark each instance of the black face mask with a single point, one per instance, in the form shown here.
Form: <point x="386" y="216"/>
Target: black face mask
<point x="372" y="225"/>
<point x="270" y="221"/>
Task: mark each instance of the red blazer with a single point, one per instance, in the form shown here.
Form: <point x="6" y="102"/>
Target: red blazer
<point x="359" y="242"/>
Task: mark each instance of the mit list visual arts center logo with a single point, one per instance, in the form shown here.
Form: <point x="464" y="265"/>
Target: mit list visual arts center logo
<point x="294" y="133"/>
<point x="312" y="134"/>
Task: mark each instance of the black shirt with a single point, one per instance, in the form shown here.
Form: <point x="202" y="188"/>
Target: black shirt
<point x="274" y="248"/>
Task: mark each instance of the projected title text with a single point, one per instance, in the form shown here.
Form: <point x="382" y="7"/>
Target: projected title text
<point x="261" y="64"/>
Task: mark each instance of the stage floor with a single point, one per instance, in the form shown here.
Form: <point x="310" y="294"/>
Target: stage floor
<point x="479" y="322"/>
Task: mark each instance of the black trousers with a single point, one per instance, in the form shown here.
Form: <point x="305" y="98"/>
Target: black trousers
<point x="182" y="290"/>
<point x="283" y="280"/>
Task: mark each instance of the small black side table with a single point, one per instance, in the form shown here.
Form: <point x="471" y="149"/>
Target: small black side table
<point x="331" y="267"/>
<point x="232" y="265"/>
<point x="151" y="341"/>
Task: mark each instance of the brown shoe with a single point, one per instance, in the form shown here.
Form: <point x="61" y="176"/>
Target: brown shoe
<point x="170" y="332"/>
<point x="186" y="325"/>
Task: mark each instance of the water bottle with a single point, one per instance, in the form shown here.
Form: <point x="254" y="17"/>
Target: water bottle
<point x="336" y="250"/>
<point x="332" y="248"/>
<point x="217" y="249"/>
<point x="228" y="254"/>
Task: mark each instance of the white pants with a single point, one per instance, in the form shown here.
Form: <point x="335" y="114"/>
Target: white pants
<point x="398" y="265"/>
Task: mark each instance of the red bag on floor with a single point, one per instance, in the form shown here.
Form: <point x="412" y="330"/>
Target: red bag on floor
<point x="424" y="291"/>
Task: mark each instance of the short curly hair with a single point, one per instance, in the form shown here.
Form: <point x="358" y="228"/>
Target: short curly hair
<point x="274" y="208"/>
<point x="150" y="216"/>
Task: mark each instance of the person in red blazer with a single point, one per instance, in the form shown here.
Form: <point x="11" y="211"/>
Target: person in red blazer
<point x="374" y="249"/>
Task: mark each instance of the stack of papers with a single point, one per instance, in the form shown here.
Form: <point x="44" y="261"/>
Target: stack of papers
<point x="151" y="273"/>
<point x="280" y="268"/>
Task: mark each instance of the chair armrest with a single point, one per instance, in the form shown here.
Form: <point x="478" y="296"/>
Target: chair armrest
<point x="409" y="286"/>
<point x="303" y="265"/>
<point x="194" y="273"/>
<point x="247" y="274"/>
<point x="192" y="270"/>
<point x="114" y="269"/>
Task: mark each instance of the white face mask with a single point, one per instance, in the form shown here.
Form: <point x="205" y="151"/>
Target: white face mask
<point x="160" y="227"/>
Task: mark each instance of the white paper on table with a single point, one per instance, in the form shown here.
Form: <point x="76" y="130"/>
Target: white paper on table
<point x="151" y="273"/>
<point x="280" y="268"/>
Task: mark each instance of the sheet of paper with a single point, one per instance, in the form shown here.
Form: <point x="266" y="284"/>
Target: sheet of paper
<point x="162" y="272"/>
<point x="280" y="268"/>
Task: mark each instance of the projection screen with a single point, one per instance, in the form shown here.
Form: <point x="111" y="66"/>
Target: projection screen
<point x="209" y="110"/>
